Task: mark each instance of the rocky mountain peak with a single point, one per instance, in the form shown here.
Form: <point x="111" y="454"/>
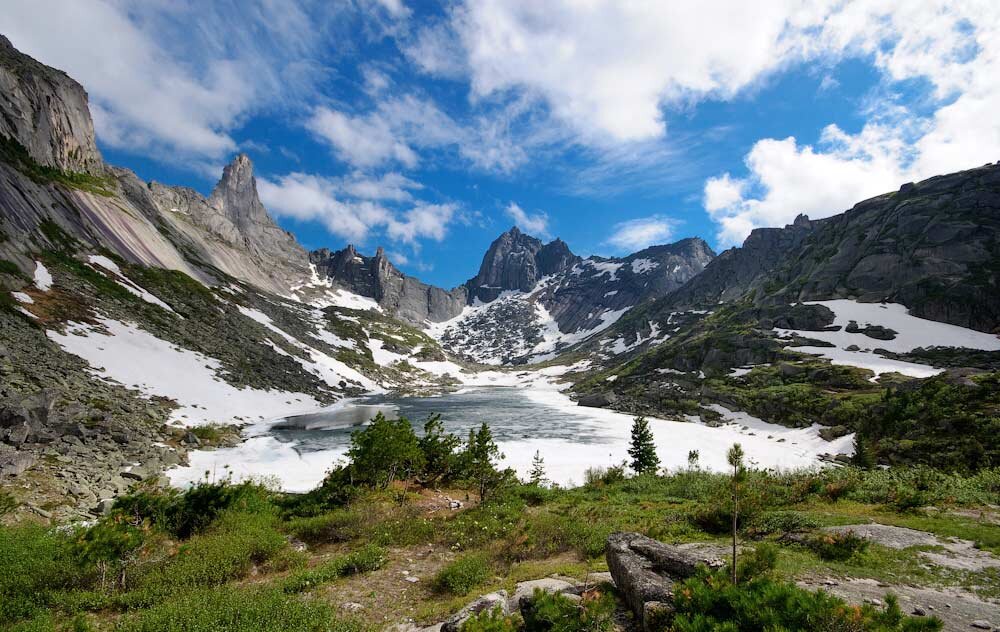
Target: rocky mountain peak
<point x="45" y="112"/>
<point x="235" y="196"/>
<point x="516" y="261"/>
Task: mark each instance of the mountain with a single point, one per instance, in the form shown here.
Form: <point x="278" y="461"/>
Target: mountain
<point x="375" y="277"/>
<point x="932" y="246"/>
<point x="531" y="300"/>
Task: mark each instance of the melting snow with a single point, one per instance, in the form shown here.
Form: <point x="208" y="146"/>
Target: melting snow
<point x="21" y="297"/>
<point x="43" y="280"/>
<point x="125" y="282"/>
<point x="911" y="333"/>
<point x="641" y="266"/>
<point x="138" y="359"/>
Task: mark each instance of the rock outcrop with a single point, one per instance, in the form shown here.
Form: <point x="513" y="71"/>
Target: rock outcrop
<point x="46" y="113"/>
<point x="375" y="277"/>
<point x="516" y="261"/>
<point x="644" y="570"/>
<point x="932" y="246"/>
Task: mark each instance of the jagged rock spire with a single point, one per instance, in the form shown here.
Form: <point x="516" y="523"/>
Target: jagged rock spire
<point x="235" y="196"/>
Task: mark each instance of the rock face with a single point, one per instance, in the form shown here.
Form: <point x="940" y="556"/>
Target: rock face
<point x="932" y="246"/>
<point x="645" y="570"/>
<point x="46" y="112"/>
<point x="515" y="261"/>
<point x="403" y="296"/>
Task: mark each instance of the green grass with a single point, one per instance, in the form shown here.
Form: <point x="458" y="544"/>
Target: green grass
<point x="14" y="154"/>
<point x="464" y="574"/>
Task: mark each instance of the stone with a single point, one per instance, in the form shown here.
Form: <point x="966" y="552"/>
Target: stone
<point x="487" y="602"/>
<point x="351" y="606"/>
<point x="644" y="570"/>
<point x="104" y="506"/>
<point x="525" y="590"/>
<point x="982" y="624"/>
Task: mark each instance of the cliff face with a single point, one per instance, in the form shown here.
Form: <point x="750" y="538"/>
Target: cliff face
<point x="46" y="113"/>
<point x="932" y="246"/>
<point x="375" y="277"/>
<point x="515" y="261"/>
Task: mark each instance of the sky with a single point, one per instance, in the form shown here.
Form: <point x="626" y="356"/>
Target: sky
<point x="429" y="128"/>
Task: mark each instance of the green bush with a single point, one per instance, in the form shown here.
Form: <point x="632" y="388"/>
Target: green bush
<point x="34" y="563"/>
<point x="364" y="560"/>
<point x="338" y="525"/>
<point x="238" y="609"/>
<point x="710" y="602"/>
<point x="464" y="574"/>
<point x="548" y="612"/>
<point x="780" y="522"/>
<point x="493" y="620"/>
<point x="384" y="451"/>
<point x="837" y="546"/>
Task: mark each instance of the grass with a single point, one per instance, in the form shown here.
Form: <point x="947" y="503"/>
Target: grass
<point x="208" y="558"/>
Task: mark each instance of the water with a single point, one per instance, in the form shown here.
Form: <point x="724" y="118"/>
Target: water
<point x="296" y="452"/>
<point x="510" y="414"/>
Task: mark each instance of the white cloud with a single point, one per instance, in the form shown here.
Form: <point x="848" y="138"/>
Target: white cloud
<point x="155" y="82"/>
<point x="606" y="68"/>
<point x="353" y="207"/>
<point x="536" y="224"/>
<point x="639" y="233"/>
<point x="390" y="132"/>
<point x="953" y="45"/>
<point x="361" y="140"/>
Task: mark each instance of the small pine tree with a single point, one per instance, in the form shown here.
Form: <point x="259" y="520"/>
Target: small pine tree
<point x="438" y="446"/>
<point x="693" y="457"/>
<point x="478" y="459"/>
<point x="538" y="469"/>
<point x="735" y="459"/>
<point x="642" y="449"/>
<point x="864" y="452"/>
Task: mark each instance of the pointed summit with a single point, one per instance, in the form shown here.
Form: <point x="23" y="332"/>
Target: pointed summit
<point x="235" y="196"/>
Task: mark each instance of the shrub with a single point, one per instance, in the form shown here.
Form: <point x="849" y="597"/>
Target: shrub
<point x="758" y="562"/>
<point x="837" y="546"/>
<point x="709" y="602"/>
<point x="780" y="522"/>
<point x="597" y="476"/>
<point x="464" y="574"/>
<point x="338" y="525"/>
<point x="367" y="559"/>
<point x="238" y="609"/>
<point x="493" y="620"/>
<point x="548" y="612"/>
<point x="34" y="563"/>
<point x="383" y="451"/>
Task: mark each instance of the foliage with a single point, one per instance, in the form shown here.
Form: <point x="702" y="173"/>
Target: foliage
<point x="366" y="559"/>
<point x="711" y="602"/>
<point x="464" y="574"/>
<point x="493" y="620"/>
<point x="549" y="612"/>
<point x="478" y="463"/>
<point x="7" y="503"/>
<point x="183" y="514"/>
<point x="537" y="476"/>
<point x="438" y="447"/>
<point x="16" y="155"/>
<point x="642" y="448"/>
<point x="238" y="609"/>
<point x="383" y="451"/>
<point x="837" y="546"/>
<point x="34" y="563"/>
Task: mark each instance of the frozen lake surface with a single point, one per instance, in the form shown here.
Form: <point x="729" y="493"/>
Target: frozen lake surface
<point x="297" y="451"/>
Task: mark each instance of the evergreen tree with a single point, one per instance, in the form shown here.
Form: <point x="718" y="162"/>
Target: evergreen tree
<point x="538" y="469"/>
<point x="642" y="450"/>
<point x="693" y="457"/>
<point x="384" y="451"/>
<point x="438" y="448"/>
<point x="735" y="459"/>
<point x="864" y="452"/>
<point x="478" y="461"/>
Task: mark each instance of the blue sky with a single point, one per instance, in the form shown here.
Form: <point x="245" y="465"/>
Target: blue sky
<point x="429" y="128"/>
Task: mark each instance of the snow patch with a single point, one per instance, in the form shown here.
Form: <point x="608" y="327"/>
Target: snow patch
<point x="641" y="266"/>
<point x="43" y="280"/>
<point x="125" y="282"/>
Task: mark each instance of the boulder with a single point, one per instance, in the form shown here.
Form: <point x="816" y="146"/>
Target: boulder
<point x="525" y="590"/>
<point x="485" y="603"/>
<point x="644" y="570"/>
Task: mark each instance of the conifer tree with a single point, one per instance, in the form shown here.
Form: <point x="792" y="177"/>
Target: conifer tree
<point x="642" y="449"/>
<point x="538" y="469"/>
<point x="735" y="459"/>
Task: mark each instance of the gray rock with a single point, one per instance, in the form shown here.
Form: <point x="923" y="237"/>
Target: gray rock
<point x="525" y="590"/>
<point x="487" y="602"/>
<point x="982" y="624"/>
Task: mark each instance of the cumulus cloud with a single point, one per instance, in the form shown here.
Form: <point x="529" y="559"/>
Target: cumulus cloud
<point x="952" y="45"/>
<point x="155" y="82"/>
<point x="355" y="206"/>
<point x="534" y="224"/>
<point x="391" y="132"/>
<point x="639" y="233"/>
